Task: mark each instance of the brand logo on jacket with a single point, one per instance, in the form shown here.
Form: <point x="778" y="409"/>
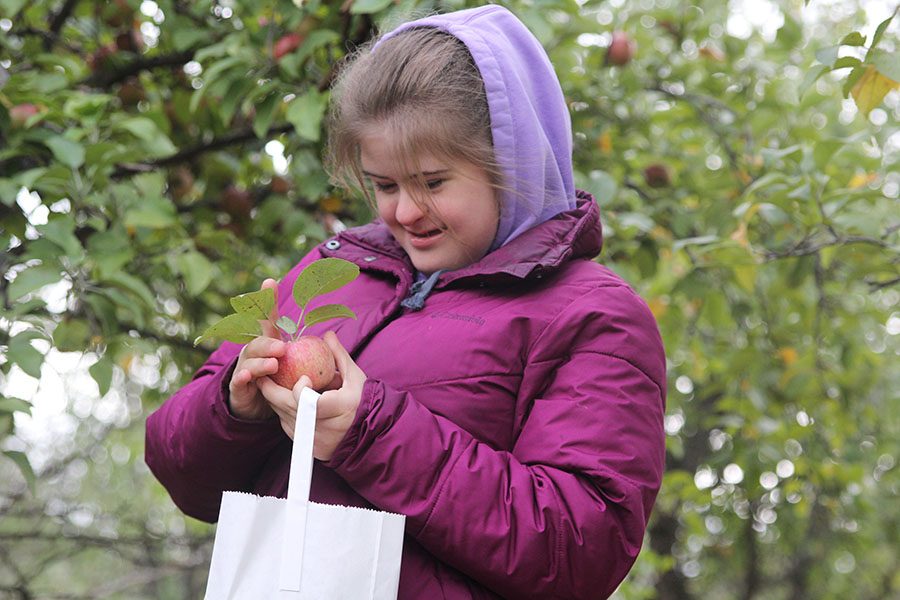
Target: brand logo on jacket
<point x="443" y="314"/>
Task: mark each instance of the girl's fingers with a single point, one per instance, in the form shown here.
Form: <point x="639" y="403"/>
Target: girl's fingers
<point x="259" y="367"/>
<point x="263" y="347"/>
<point x="280" y="399"/>
<point x="268" y="329"/>
<point x="345" y="364"/>
<point x="303" y="382"/>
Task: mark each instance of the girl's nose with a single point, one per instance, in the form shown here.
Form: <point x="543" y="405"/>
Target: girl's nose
<point x="408" y="210"/>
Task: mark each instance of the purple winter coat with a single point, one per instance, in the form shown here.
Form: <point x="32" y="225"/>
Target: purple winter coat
<point x="516" y="420"/>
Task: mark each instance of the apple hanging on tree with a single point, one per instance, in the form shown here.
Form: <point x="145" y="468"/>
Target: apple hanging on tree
<point x="621" y="49"/>
<point x="305" y="354"/>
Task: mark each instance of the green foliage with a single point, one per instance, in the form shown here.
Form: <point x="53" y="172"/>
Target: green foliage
<point x="319" y="277"/>
<point x="157" y="161"/>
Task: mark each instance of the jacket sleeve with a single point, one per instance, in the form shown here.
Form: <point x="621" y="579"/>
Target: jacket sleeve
<point x="563" y="514"/>
<point x="196" y="448"/>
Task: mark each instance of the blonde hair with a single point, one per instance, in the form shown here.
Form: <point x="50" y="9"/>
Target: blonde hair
<point x="423" y="87"/>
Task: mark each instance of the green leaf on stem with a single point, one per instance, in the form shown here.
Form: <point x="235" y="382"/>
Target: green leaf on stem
<point x="239" y="328"/>
<point x="322" y="276"/>
<point x="326" y="313"/>
<point x="258" y="304"/>
<point x="287" y="325"/>
<point x="102" y="371"/>
<point x="21" y="461"/>
<point x="32" y="279"/>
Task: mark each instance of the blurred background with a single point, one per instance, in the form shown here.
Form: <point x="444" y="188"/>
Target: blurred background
<point x="158" y="157"/>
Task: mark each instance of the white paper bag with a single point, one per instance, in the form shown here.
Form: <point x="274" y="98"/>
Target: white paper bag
<point x="273" y="548"/>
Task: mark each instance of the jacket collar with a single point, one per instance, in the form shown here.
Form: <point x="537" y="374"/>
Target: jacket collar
<point x="576" y="233"/>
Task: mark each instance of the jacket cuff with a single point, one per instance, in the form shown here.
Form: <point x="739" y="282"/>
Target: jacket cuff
<point x="371" y="389"/>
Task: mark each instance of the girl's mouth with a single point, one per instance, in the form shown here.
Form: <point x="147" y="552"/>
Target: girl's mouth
<point x="423" y="240"/>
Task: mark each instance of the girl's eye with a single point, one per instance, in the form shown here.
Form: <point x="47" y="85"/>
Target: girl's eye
<point x="384" y="187"/>
<point x="434" y="184"/>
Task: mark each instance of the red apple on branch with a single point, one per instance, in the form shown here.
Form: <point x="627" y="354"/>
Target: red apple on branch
<point x="286" y="44"/>
<point x="621" y="49"/>
<point x="21" y="113"/>
<point x="657" y="176"/>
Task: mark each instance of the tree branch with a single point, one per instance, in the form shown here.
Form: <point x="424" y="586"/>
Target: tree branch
<point x="104" y="79"/>
<point x="58" y="20"/>
<point x="237" y="137"/>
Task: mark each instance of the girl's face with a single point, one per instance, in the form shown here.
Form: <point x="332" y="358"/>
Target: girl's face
<point x="458" y="219"/>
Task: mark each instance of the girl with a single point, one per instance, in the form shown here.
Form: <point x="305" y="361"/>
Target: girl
<point x="499" y="388"/>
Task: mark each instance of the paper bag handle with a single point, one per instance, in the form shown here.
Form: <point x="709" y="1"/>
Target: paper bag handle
<point x="302" y="453"/>
<point x="298" y="491"/>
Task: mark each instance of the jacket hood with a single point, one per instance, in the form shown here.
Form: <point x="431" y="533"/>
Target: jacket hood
<point x="532" y="131"/>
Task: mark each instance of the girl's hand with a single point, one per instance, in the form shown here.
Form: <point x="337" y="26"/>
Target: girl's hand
<point x="258" y="359"/>
<point x="336" y="407"/>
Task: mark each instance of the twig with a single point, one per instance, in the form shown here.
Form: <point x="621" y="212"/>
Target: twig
<point x="104" y="79"/>
<point x="58" y="20"/>
<point x="191" y="152"/>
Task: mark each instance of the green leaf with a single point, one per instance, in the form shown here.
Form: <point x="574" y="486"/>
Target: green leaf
<point x="110" y="250"/>
<point x="825" y="150"/>
<point x="156" y="143"/>
<point x="155" y="213"/>
<point x="322" y="276"/>
<point x="239" y="328"/>
<point x="196" y="270"/>
<point x="188" y="37"/>
<point x="133" y="285"/>
<point x="854" y="38"/>
<point x="24" y="465"/>
<point x="265" y="112"/>
<point x="305" y="114"/>
<point x="71" y="335"/>
<point x="326" y="313"/>
<point x="364" y="7"/>
<point x="66" y="151"/>
<point x="257" y="304"/>
<point x="61" y="231"/>
<point x="811" y="77"/>
<point x="827" y="55"/>
<point x="8" y="192"/>
<point x="846" y="62"/>
<point x="238" y="88"/>
<point x="11" y="7"/>
<point x="102" y="371"/>
<point x="287" y="325"/>
<point x="882" y="27"/>
<point x="22" y="353"/>
<point x="9" y="406"/>
<point x="602" y="186"/>
<point x="33" y="279"/>
<point x="887" y="63"/>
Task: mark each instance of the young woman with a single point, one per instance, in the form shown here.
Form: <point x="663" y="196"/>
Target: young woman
<point x="499" y="388"/>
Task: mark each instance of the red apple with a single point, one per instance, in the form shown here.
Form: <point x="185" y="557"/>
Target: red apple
<point x="101" y="58"/>
<point x="286" y="44"/>
<point x="657" y="176"/>
<point x="20" y="113"/>
<point x="130" y="41"/>
<point x="621" y="49"/>
<point x="237" y="202"/>
<point x="280" y="185"/>
<point x="308" y="355"/>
